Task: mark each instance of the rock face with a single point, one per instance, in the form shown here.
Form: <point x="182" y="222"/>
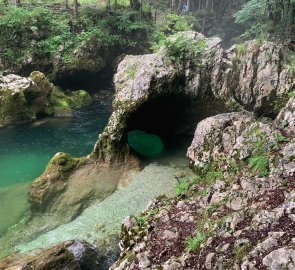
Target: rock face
<point x="216" y="135"/>
<point x="25" y="99"/>
<point x="251" y="78"/>
<point x="238" y="212"/>
<point x="253" y="75"/>
<point x="71" y="255"/>
<point x="286" y="119"/>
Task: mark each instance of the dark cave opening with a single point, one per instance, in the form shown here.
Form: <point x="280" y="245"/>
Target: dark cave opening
<point x="91" y="82"/>
<point x="173" y="118"/>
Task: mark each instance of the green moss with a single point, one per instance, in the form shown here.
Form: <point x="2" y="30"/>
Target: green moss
<point x="64" y="162"/>
<point x="131" y="70"/>
<point x="13" y="107"/>
<point x="65" y="102"/>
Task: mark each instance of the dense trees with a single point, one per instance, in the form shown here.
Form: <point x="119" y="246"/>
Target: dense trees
<point x="271" y="17"/>
<point x="258" y="18"/>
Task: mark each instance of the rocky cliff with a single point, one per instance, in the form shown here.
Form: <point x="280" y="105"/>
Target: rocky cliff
<point x="238" y="211"/>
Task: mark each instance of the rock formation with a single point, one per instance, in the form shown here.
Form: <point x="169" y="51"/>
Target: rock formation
<point x="75" y="254"/>
<point x="25" y="99"/>
<point x="155" y="93"/>
<point x="238" y="212"/>
<point x="230" y="80"/>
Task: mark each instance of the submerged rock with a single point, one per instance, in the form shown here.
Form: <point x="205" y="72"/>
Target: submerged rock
<point x="148" y="145"/>
<point x="25" y="99"/>
<point x="71" y="255"/>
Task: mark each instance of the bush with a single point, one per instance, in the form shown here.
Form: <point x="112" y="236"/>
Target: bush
<point x="181" y="187"/>
<point x="39" y="32"/>
<point x="193" y="243"/>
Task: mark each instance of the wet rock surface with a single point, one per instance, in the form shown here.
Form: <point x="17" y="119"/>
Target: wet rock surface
<point x="72" y="255"/>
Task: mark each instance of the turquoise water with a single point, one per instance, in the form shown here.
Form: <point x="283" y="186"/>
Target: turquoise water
<point x="25" y="150"/>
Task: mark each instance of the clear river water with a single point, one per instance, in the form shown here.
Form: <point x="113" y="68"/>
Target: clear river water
<point x="26" y="149"/>
<point x="24" y="152"/>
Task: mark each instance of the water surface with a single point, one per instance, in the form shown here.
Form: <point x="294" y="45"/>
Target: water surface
<point x="25" y="150"/>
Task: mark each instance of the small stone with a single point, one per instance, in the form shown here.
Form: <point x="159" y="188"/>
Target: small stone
<point x="208" y="262"/>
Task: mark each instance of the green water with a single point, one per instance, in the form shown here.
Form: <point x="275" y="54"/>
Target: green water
<point x="147" y="145"/>
<point x="25" y="151"/>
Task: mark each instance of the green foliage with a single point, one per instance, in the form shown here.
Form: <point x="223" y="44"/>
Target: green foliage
<point x="258" y="161"/>
<point x="40" y="33"/>
<point x="182" y="187"/>
<point x="290" y="66"/>
<point x="180" y="48"/>
<point x="281" y="101"/>
<point x="241" y="49"/>
<point x="131" y="71"/>
<point x="174" y="23"/>
<point x="193" y="243"/>
<point x="281" y="139"/>
<point x="212" y="172"/>
<point x="141" y="219"/>
<point x="260" y="164"/>
<point x="266" y="17"/>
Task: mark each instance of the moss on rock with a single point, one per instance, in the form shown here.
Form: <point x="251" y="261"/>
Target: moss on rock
<point x="25" y="99"/>
<point x="65" y="102"/>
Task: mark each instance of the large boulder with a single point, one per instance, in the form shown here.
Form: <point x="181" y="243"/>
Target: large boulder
<point x="215" y="137"/>
<point x="254" y="75"/>
<point x="71" y="255"/>
<point x="248" y="77"/>
<point x="25" y="99"/>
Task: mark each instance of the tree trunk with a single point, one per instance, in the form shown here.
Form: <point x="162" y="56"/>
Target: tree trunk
<point x="17" y="2"/>
<point x="67" y="4"/>
<point x="108" y="7"/>
<point x="75" y="10"/>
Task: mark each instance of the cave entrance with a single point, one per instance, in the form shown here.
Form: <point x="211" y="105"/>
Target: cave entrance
<point x="170" y="120"/>
<point x="91" y="82"/>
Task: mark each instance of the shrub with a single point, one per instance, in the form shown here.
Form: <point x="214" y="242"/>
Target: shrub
<point x="193" y="243"/>
<point x="181" y="187"/>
